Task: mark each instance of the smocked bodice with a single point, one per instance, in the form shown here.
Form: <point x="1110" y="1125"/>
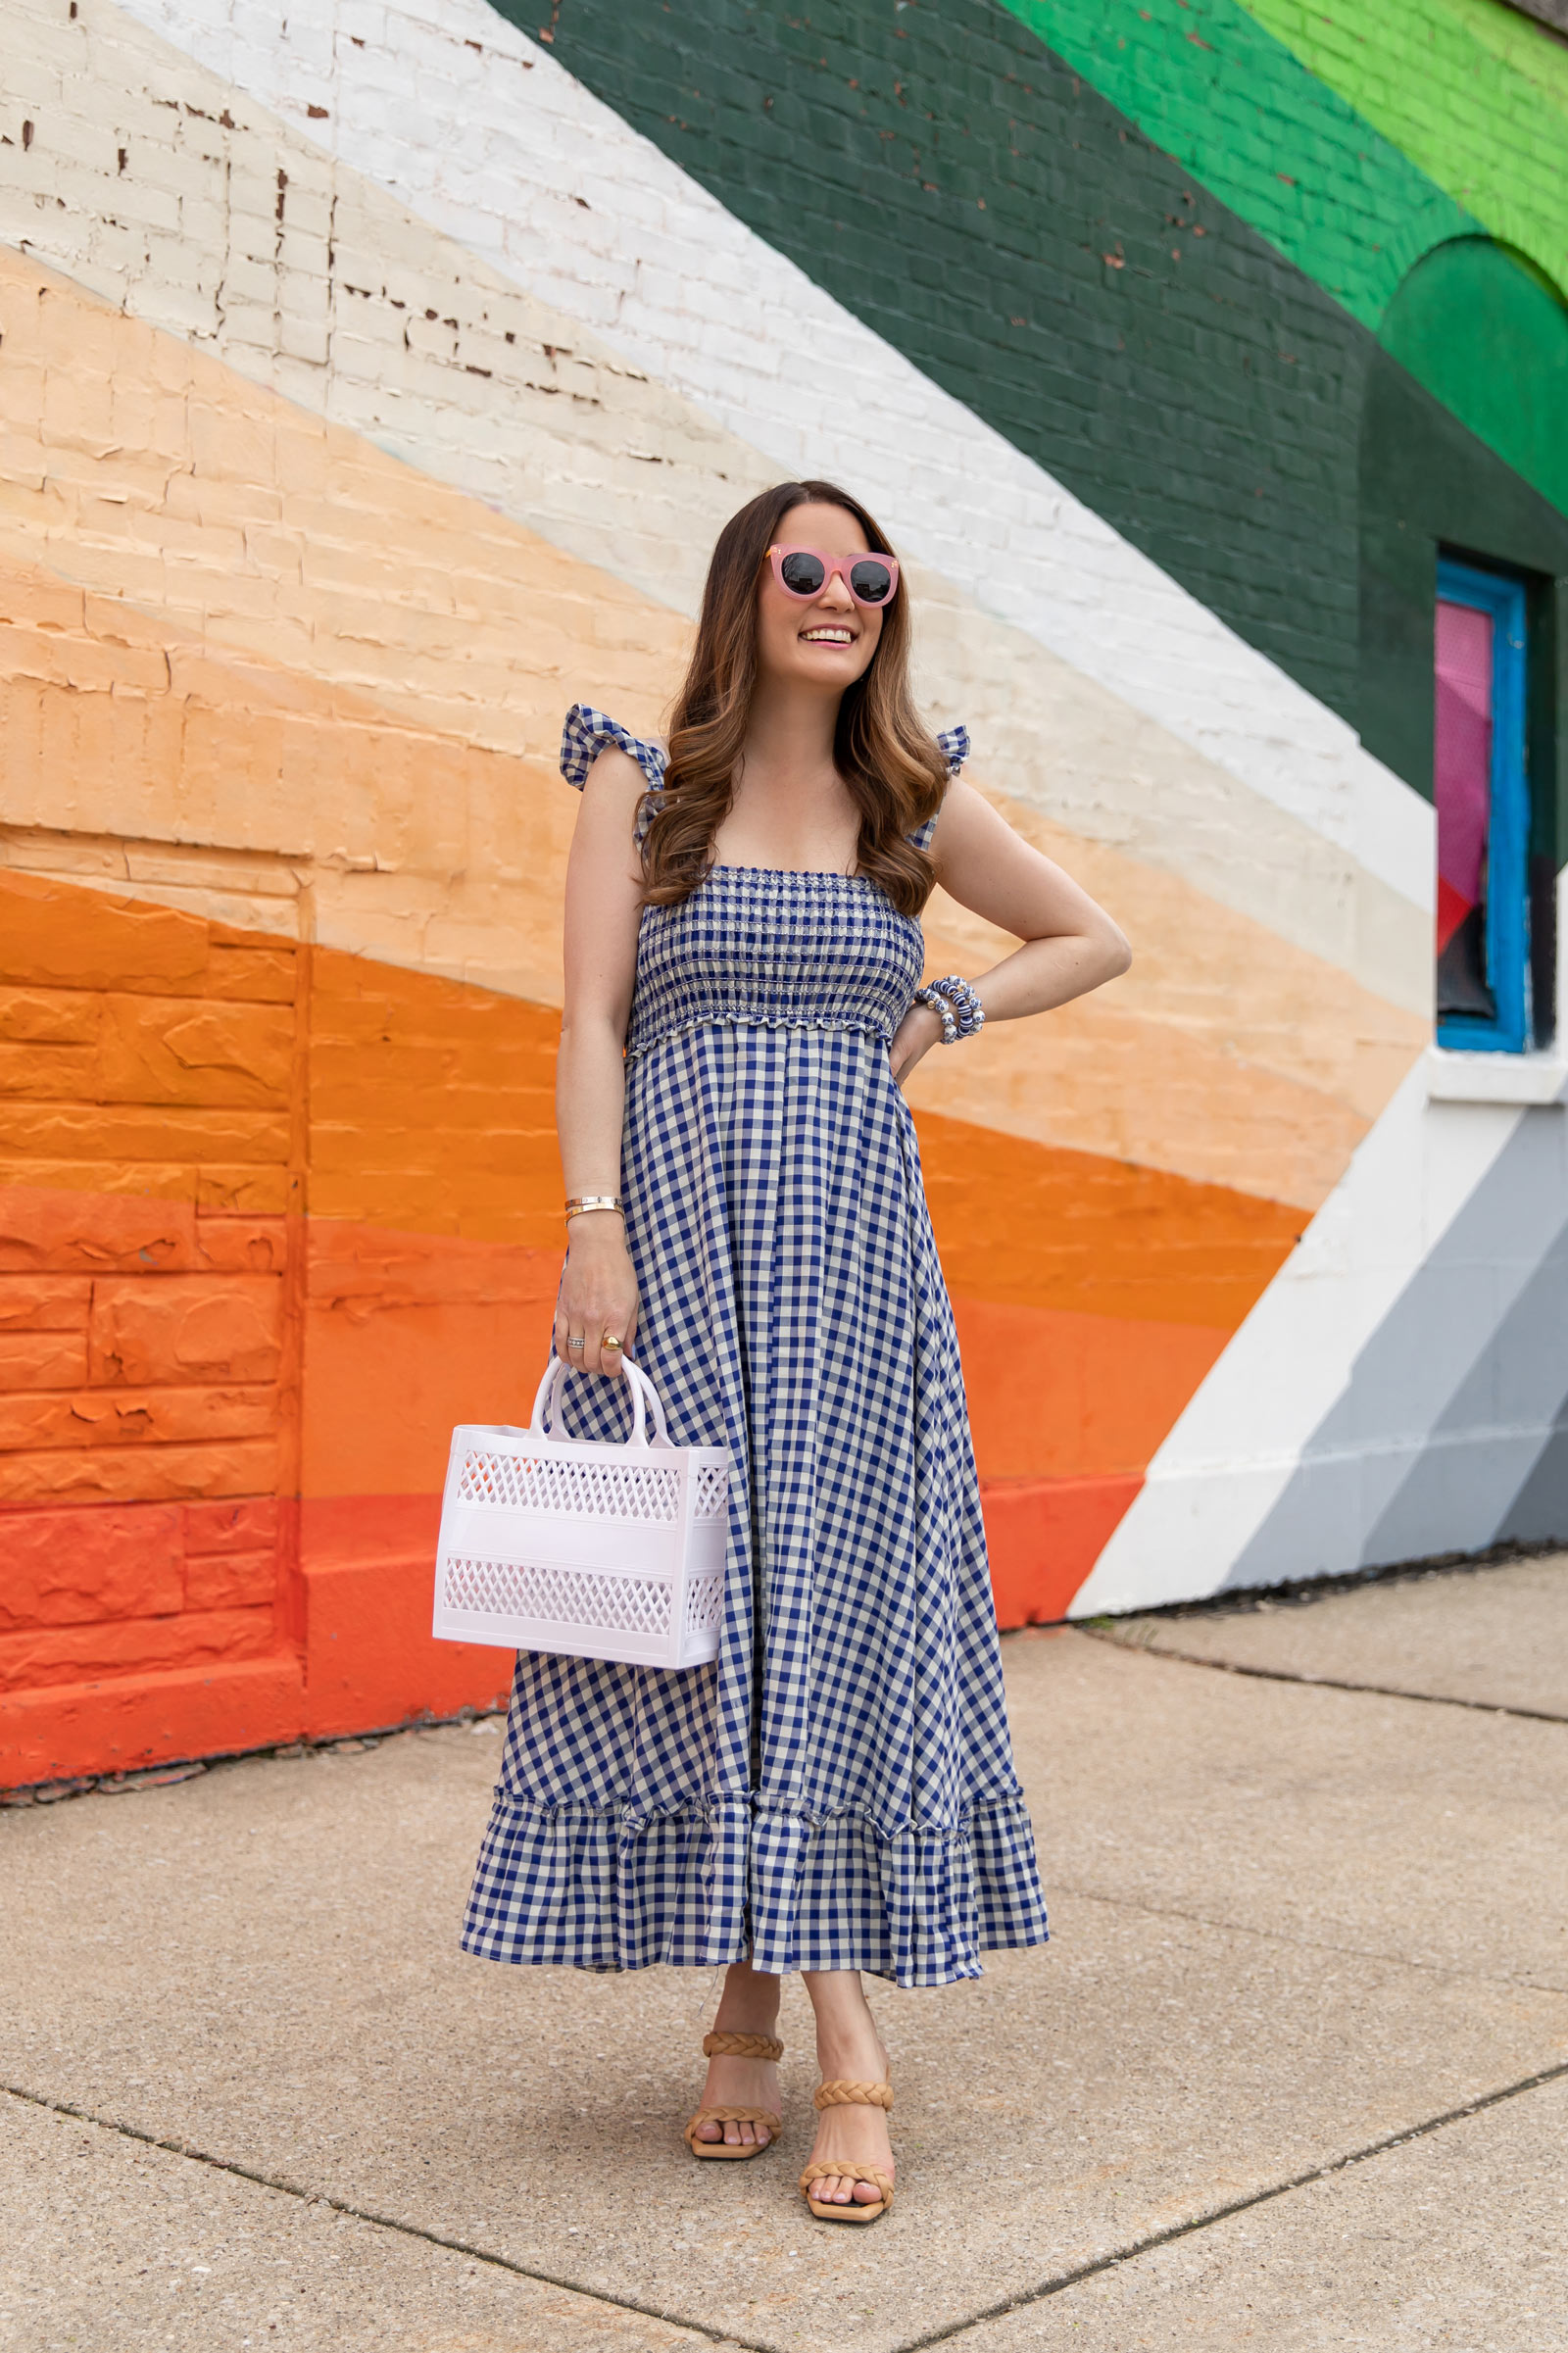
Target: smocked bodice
<point x="780" y="949"/>
<point x="757" y="945"/>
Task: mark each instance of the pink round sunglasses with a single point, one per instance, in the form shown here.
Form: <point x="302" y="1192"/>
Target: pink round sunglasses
<point x="805" y="573"/>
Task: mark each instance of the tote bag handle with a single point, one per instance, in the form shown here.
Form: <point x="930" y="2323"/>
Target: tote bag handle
<point x="547" y="1404"/>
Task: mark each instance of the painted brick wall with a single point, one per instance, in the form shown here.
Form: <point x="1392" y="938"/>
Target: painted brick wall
<point x="170" y="1088"/>
<point x="1473" y="96"/>
<point x="630" y="256"/>
<point x="372" y="384"/>
<point x="1135" y="337"/>
<point x="149" y="1327"/>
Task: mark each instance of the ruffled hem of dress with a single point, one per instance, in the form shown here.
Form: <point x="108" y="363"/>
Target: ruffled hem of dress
<point x="597" y="1888"/>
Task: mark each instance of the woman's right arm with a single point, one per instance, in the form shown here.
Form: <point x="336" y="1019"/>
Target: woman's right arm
<point x="604" y="906"/>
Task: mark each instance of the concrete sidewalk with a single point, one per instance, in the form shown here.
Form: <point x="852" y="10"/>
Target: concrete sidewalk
<point x="1293" y="2073"/>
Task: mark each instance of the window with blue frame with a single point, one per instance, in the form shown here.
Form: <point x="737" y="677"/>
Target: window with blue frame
<point x="1483" y="802"/>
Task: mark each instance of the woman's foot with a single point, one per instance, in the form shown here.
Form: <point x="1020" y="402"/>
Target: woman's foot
<point x="849" y="2049"/>
<point x="740" y="2083"/>
<point x="749" y="2005"/>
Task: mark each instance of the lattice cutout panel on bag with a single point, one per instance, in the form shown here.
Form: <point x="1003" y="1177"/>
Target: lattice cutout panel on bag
<point x="561" y="1596"/>
<point x="712" y="1491"/>
<point x="705" y="1603"/>
<point x="617" y="1489"/>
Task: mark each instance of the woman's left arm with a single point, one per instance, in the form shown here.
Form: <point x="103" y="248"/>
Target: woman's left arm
<point x="1069" y="945"/>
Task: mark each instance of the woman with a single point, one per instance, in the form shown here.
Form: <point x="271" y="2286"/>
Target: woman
<point x="836" y="1793"/>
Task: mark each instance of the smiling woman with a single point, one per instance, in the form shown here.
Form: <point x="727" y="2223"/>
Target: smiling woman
<point x="785" y="637"/>
<point x="742" y="956"/>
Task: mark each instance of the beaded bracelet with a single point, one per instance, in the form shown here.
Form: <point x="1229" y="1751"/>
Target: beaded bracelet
<point x="935" y="998"/>
<point x="962" y="1012"/>
<point x="965" y="1003"/>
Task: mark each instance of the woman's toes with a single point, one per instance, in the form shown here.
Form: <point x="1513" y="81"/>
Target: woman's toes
<point x="867" y="2194"/>
<point x="710" y="2131"/>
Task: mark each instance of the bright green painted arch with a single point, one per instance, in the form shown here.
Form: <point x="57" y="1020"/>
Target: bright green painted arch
<point x="1380" y="149"/>
<point x="1485" y="334"/>
<point x="1473" y="93"/>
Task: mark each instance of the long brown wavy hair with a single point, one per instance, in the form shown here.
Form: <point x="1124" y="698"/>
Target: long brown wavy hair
<point x="890" y="760"/>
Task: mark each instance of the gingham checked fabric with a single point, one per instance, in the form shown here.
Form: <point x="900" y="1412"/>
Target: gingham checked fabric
<point x="837" y="1791"/>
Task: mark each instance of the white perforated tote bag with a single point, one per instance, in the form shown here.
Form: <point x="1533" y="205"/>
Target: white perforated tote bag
<point x="566" y="1544"/>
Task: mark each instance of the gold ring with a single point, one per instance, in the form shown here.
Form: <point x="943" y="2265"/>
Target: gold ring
<point x="610" y="1341"/>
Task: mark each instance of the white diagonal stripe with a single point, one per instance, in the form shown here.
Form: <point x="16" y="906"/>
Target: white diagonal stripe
<point x="483" y="133"/>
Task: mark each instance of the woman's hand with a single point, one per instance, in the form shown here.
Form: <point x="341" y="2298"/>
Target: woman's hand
<point x="917" y="1034"/>
<point x="598" y="1292"/>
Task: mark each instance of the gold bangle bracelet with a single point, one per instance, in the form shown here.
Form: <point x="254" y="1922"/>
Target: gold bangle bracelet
<point x="580" y="1202"/>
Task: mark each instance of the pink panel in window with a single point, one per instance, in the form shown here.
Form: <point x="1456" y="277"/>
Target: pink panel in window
<point x="1463" y="773"/>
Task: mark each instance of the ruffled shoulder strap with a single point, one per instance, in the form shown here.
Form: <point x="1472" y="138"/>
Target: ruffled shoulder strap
<point x="586" y="733"/>
<point x="954" y="742"/>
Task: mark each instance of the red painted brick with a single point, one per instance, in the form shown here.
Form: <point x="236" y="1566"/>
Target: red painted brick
<point x="248" y="1246"/>
<point x="95" y="1563"/>
<point x="77" y="1653"/>
<point x="230" y="1580"/>
<point x="138" y="1474"/>
<point x="238" y="1527"/>
<point x="42" y="1359"/>
<point x="1043" y="1535"/>
<point x="135" y="1417"/>
<point x="243" y="1191"/>
<point x="187" y="1328"/>
<point x="370" y="1657"/>
<point x="44" y="1303"/>
<point x="47" y="1230"/>
<point x="149" y="1718"/>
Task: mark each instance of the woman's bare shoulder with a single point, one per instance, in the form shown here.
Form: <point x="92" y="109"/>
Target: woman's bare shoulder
<point x="616" y="772"/>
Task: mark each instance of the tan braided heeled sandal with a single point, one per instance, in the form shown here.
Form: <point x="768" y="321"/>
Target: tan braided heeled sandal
<point x="848" y="2169"/>
<point x="737" y="2046"/>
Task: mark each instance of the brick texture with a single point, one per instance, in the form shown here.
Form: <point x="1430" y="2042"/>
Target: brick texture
<point x="1472" y="95"/>
<point x="1118" y="322"/>
<point x="343" y="449"/>
<point x="576" y="235"/>
<point x="147" y="1067"/>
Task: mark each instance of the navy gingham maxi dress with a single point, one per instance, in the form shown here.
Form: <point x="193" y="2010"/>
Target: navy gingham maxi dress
<point x="836" y="1790"/>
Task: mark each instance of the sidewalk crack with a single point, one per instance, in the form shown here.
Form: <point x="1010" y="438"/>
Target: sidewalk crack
<point x="279" y="2183"/>
<point x="1320" y="1683"/>
<point x="951" y="2331"/>
<point x="1061" y="2280"/>
<point x="1279" y="1936"/>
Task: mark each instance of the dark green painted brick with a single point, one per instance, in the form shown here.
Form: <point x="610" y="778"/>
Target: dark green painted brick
<point x="1207" y="407"/>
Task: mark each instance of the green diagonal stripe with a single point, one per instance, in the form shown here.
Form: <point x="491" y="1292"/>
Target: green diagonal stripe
<point x="1473" y="93"/>
<point x="1142" y="241"/>
<point x="1356" y="141"/>
<point x="979" y="203"/>
<point x="1271" y="139"/>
